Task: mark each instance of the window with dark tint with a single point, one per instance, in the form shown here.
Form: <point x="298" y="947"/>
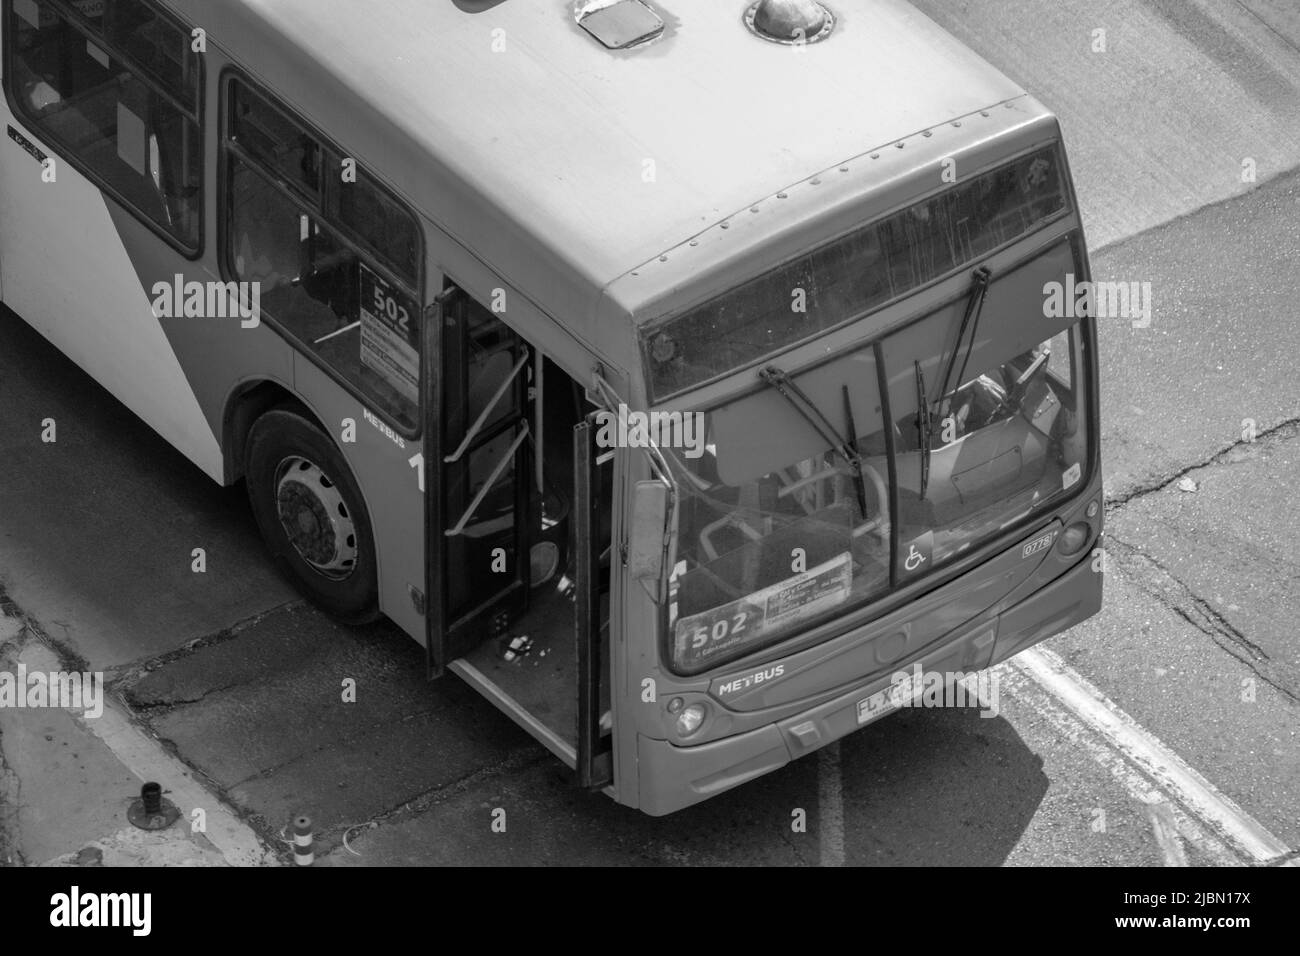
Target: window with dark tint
<point x="381" y="223"/>
<point x="336" y="257"/>
<point x="121" y="103"/>
<point x="857" y="273"/>
<point x="154" y="44"/>
<point x="275" y="141"/>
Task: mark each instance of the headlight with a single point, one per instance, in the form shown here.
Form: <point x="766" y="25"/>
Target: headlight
<point x="689" y="720"/>
<point x="1074" y="538"/>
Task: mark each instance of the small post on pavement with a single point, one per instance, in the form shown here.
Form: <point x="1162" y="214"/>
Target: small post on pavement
<point x="302" y="840"/>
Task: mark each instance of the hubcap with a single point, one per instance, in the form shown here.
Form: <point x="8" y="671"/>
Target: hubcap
<point x="315" y="519"/>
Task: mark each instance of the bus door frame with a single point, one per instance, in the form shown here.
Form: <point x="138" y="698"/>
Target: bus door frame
<point x="595" y="757"/>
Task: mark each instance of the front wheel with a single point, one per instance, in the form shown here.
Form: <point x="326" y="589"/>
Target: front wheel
<point x="311" y="515"/>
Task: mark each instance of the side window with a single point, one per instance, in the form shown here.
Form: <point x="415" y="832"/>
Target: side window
<point x="114" y="87"/>
<point x="335" y="257"/>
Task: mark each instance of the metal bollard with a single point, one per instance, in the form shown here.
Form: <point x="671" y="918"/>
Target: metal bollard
<point x="151" y="797"/>
<point x="152" y="811"/>
<point x="302" y="841"/>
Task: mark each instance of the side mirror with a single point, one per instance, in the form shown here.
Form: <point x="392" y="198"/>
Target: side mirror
<point x="650" y="500"/>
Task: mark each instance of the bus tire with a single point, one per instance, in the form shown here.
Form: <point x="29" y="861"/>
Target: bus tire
<point x="312" y="517"/>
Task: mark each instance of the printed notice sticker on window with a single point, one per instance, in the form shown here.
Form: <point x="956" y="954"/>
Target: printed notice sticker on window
<point x="131" y="146"/>
<point x="388" y="335"/>
<point x="98" y="55"/>
<point x="1070" y="476"/>
<point x="706" y="635"/>
<point x="29" y="11"/>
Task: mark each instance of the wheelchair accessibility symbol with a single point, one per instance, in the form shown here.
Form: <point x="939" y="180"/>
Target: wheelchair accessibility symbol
<point x="914" y="559"/>
<point x="919" y="551"/>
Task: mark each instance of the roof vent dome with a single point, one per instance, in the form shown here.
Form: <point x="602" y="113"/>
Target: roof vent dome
<point x="790" y="21"/>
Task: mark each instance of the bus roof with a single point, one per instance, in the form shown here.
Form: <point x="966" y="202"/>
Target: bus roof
<point x="562" y="164"/>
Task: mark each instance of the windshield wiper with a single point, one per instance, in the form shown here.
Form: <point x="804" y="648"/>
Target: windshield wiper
<point x="982" y="277"/>
<point x="922" y="427"/>
<point x="859" y="480"/>
<point x="846" y="449"/>
<point x="974" y="306"/>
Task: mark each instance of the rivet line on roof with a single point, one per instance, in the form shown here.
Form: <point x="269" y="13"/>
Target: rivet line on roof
<point x="817" y="180"/>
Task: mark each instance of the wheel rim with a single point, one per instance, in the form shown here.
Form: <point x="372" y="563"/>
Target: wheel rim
<point x="315" y="518"/>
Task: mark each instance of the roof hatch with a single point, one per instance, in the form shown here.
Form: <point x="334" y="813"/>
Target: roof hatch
<point x="619" y="24"/>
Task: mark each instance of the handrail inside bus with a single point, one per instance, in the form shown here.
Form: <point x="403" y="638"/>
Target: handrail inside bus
<point x="487" y="410"/>
<point x="487" y="485"/>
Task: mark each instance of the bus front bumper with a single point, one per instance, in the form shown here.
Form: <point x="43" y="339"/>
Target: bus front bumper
<point x="673" y="777"/>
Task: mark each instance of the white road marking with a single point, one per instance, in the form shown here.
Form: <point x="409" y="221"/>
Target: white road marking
<point x="830" y="805"/>
<point x="1022" y="688"/>
<point x="1142" y="749"/>
<point x="143" y="756"/>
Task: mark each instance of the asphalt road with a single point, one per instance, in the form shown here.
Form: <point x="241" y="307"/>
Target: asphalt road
<point x="1196" y="641"/>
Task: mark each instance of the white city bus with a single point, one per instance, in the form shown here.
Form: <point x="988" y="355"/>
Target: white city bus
<point x="393" y="266"/>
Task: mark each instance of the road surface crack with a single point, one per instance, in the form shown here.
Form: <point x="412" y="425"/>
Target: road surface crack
<point x="1281" y="432"/>
<point x="1160" y="583"/>
<point x="153" y="708"/>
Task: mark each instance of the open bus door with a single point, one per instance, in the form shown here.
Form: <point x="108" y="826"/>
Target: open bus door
<point x="476" y="502"/>
<point x="484" y="513"/>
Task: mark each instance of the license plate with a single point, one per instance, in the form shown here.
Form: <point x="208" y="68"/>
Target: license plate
<point x="879" y="703"/>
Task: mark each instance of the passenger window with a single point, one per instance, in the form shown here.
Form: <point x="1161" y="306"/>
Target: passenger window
<point x="276" y="141"/>
<point x="136" y="132"/>
<point x="319" y="278"/>
<point x="382" y="225"/>
<point x="157" y="45"/>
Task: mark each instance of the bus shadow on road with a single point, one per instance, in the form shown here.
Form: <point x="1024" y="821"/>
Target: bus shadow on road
<point x="917" y="788"/>
<point x="940" y="787"/>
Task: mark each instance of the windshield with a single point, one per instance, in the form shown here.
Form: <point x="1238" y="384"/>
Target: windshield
<point x="777" y="529"/>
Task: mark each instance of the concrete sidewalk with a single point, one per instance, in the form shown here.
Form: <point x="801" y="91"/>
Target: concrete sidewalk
<point x="68" y="776"/>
